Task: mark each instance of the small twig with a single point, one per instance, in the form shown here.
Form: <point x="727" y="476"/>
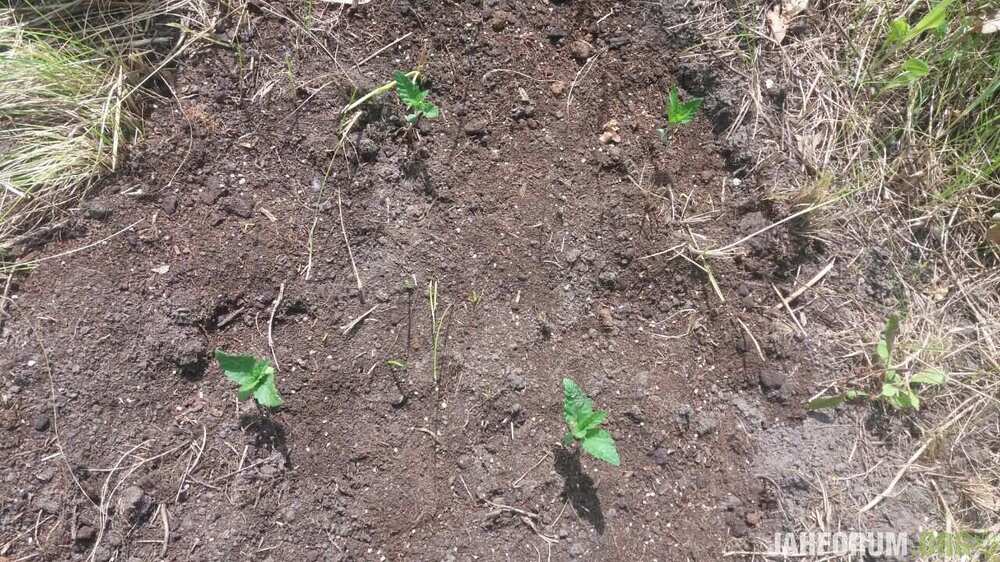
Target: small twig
<point x="515" y="483"/>
<point x="350" y="253"/>
<point x="383" y="49"/>
<point x="753" y="339"/>
<point x="166" y="530"/>
<point x="346" y="329"/>
<point x="270" y="325"/>
<point x="428" y="432"/>
<point x="815" y="279"/>
<point x="788" y="309"/>
<point x="55" y="417"/>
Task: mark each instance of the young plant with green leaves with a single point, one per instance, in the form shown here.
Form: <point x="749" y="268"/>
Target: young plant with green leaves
<point x="584" y="424"/>
<point x="255" y="377"/>
<point x="415" y="98"/>
<point x="678" y="112"/>
<point x="897" y="389"/>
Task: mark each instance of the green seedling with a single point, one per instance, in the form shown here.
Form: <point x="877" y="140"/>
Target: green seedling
<point x="912" y="70"/>
<point x="396" y="364"/>
<point x="255" y="377"/>
<point x="900" y="31"/>
<point x="584" y="425"/>
<point x="896" y="388"/>
<point x="415" y="98"/>
<point x="679" y="112"/>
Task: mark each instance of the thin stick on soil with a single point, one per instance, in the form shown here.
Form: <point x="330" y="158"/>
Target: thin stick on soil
<point x="515" y="483"/>
<point x="270" y="325"/>
<point x="815" y="279"/>
<point x="55" y="417"/>
<point x="346" y="329"/>
<point x="382" y="50"/>
<point x="350" y="253"/>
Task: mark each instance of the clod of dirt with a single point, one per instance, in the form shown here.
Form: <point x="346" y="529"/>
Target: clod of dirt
<point x="241" y="207"/>
<point x="772" y="380"/>
<point x="500" y="20"/>
<point x="45" y="474"/>
<point x="682" y="416"/>
<point x="581" y="50"/>
<point x="705" y="424"/>
<point x="169" y="204"/>
<point x="608" y="278"/>
<point x="634" y="413"/>
<point x="96" y="210"/>
<point x="516" y="380"/>
<point x="85" y="533"/>
<point x="190" y="349"/>
<point x="730" y="503"/>
<point x="133" y="504"/>
<point x="572" y="256"/>
<point x="660" y="456"/>
<point x="558" y="88"/>
<point x="607" y="320"/>
<point x="476" y="127"/>
<point x="211" y="195"/>
<point x="397" y="399"/>
<point x="40" y="422"/>
<point x="753" y="518"/>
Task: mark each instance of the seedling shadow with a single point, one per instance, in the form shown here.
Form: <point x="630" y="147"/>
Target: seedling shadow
<point x="267" y="434"/>
<point x="578" y="488"/>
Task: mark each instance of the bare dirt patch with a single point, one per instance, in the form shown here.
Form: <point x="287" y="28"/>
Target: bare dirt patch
<point x="539" y="236"/>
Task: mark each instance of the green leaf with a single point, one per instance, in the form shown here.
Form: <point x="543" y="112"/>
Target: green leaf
<point x="899" y="29"/>
<point x="888" y="339"/>
<point x="238" y="368"/>
<point x="601" y="445"/>
<point x="826" y="402"/>
<point x="934" y="19"/>
<point x="889" y="390"/>
<point x="930" y="376"/>
<point x="267" y="393"/>
<point x="912" y="70"/>
<point x="592" y="421"/>
<point x="904" y="400"/>
<point x="892" y="377"/>
<point x="681" y="112"/>
<point x="414" y="97"/>
<point x="576" y="404"/>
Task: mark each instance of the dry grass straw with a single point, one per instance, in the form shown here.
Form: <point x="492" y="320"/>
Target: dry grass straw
<point x="71" y="74"/>
<point x="911" y="170"/>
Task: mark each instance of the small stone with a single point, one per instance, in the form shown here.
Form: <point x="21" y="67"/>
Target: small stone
<point x="772" y="380"/>
<point x="464" y="461"/>
<point x="659" y="456"/>
<point x="558" y="88"/>
<point x="40" y="422"/>
<point x="581" y="50"/>
<point x="288" y="514"/>
<point x="753" y="518"/>
<point x="572" y="256"/>
<point x="397" y="399"/>
<point x="476" y="127"/>
<point x="607" y="320"/>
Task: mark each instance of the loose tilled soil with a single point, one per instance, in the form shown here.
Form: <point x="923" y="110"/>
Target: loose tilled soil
<point x="537" y="233"/>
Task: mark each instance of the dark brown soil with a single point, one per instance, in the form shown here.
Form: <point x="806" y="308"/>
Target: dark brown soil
<point x="537" y="234"/>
